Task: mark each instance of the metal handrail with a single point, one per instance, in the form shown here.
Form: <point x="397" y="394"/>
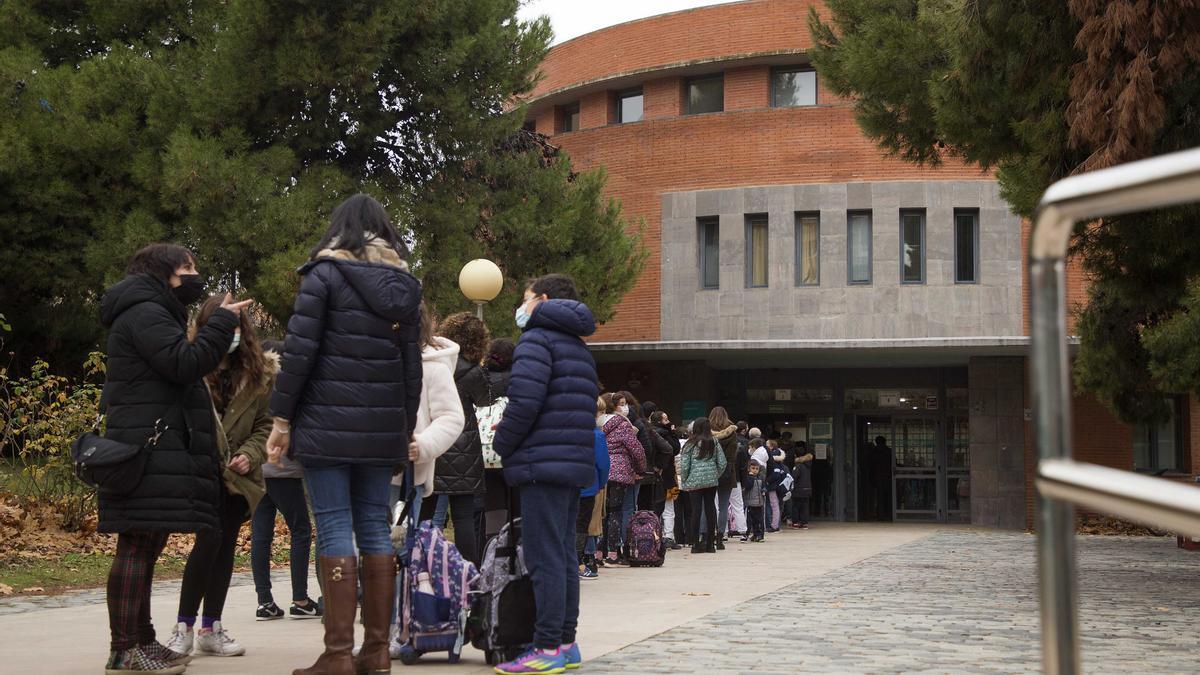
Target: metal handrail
<point x="1138" y="186"/>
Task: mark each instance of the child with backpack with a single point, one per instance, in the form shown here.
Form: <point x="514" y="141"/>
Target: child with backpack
<point x="546" y="441"/>
<point x="754" y="497"/>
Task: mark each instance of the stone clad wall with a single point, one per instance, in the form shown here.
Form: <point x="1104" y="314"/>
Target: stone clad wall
<point x="997" y="404"/>
<point x="884" y="309"/>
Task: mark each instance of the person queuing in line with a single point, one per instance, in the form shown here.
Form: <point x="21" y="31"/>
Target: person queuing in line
<point x="701" y="466"/>
<point x="345" y="402"/>
<point x="587" y="498"/>
<point x="802" y="489"/>
<point x="627" y="459"/>
<point x="458" y="477"/>
<point x="737" y="510"/>
<point x="683" y="508"/>
<point x="240" y="389"/>
<point x="284" y="495"/>
<point x="754" y="496"/>
<point x="154" y="386"/>
<point x="776" y="475"/>
<point x="724" y="431"/>
<point x="440" y="420"/>
<point x="661" y="423"/>
<point x="498" y="365"/>
<point x="546" y="442"/>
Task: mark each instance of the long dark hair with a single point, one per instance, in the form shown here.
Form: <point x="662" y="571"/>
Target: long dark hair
<point x="356" y="220"/>
<point x="159" y="261"/>
<point x="428" y="325"/>
<point x="702" y="438"/>
<point x="635" y="408"/>
<point x="246" y="367"/>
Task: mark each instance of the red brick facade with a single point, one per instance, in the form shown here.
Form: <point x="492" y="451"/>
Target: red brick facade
<point x="749" y="143"/>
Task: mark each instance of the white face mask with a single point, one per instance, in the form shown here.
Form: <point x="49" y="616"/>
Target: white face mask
<point x="623" y="409"/>
<point x="237" y="341"/>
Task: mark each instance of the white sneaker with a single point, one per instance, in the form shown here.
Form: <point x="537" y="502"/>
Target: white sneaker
<point x="218" y="642"/>
<point x="182" y="639"/>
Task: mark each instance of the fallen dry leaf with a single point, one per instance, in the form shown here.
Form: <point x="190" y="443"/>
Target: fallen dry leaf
<point x="698" y="595"/>
<point x="33" y="589"/>
<point x="5" y="589"/>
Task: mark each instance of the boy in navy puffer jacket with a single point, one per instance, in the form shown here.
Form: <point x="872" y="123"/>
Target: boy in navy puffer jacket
<point x="546" y="441"/>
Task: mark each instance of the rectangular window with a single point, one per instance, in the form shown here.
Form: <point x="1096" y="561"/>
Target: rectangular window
<point x="629" y="106"/>
<point x="1158" y="448"/>
<point x="966" y="246"/>
<point x="858" y="246"/>
<point x="568" y="118"/>
<point x="793" y="87"/>
<point x="706" y="94"/>
<point x="756" y="251"/>
<point x="710" y="267"/>
<point x="808" y="249"/>
<point x="912" y="247"/>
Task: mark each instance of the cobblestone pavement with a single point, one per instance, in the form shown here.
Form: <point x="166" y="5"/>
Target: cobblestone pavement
<point x="959" y="601"/>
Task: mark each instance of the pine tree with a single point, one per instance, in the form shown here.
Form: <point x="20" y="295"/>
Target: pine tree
<point x="234" y="127"/>
<point x="1039" y="91"/>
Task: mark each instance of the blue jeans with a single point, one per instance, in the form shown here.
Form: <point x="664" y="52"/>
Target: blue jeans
<point x="350" y="502"/>
<point x="548" y="515"/>
<point x="439" y="513"/>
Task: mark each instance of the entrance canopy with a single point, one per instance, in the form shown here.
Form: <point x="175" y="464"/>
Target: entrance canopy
<point x="861" y="353"/>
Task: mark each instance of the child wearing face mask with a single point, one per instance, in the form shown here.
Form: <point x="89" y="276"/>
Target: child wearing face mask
<point x="547" y="445"/>
<point x="240" y="389"/>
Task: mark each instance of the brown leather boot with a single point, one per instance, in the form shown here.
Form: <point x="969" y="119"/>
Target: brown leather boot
<point x="379" y="586"/>
<point x="340" y="577"/>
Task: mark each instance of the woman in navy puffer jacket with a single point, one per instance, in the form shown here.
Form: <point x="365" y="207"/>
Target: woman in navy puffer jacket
<point x="348" y="393"/>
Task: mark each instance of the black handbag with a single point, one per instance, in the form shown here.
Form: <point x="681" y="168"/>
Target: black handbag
<point x="112" y="467"/>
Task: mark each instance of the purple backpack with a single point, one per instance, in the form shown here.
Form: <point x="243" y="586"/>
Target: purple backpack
<point x="645" y="540"/>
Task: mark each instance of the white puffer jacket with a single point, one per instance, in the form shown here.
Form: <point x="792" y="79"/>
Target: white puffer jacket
<point x="440" y="418"/>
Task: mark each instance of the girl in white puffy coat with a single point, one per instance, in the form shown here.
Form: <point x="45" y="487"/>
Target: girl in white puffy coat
<point x="440" y="420"/>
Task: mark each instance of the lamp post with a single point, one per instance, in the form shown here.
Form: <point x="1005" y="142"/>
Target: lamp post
<point x="480" y="281"/>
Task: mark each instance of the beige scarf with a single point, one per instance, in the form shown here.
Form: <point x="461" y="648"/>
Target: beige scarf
<point x="376" y="251"/>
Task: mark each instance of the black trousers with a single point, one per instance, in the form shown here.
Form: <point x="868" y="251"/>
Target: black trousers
<point x="800" y="506"/>
<point x="683" y="519"/>
<point x="583" y="522"/>
<point x="210" y="564"/>
<point x="462" y="514"/>
<point x="757" y="518"/>
<point x="702" y="501"/>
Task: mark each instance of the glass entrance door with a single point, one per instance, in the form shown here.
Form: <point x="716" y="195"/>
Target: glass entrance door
<point x="919" y="472"/>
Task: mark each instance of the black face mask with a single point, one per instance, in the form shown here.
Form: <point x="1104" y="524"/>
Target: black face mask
<point x="190" y="289"/>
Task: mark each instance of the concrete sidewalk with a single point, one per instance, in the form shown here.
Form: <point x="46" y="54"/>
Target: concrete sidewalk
<point x="622" y="607"/>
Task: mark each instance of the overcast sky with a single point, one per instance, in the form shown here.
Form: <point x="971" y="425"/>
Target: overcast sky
<point x="572" y="18"/>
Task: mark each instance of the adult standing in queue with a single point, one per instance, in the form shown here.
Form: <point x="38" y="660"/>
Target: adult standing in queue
<point x="724" y="431"/>
<point x="345" y="403"/>
<point x="701" y="464"/>
<point x="240" y="388"/>
<point x="459" y="472"/>
<point x="627" y="461"/>
<point x="154" y="387"/>
<point x="498" y="365"/>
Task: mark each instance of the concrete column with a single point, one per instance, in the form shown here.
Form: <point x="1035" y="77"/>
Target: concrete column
<point x="997" y="414"/>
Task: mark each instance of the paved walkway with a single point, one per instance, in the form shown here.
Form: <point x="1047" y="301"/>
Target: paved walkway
<point x="838" y="598"/>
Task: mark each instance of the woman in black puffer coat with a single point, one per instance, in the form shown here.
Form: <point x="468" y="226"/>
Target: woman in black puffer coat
<point x="458" y="475"/>
<point x="498" y="364"/>
<point x="155" y="380"/>
<point x="348" y="392"/>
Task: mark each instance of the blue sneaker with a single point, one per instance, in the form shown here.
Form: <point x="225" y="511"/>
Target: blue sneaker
<point x="571" y="654"/>
<point x="535" y="661"/>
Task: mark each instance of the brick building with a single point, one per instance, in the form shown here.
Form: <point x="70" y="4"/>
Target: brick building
<point x="806" y="281"/>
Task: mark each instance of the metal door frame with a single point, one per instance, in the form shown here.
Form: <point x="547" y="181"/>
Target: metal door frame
<point x="941" y="498"/>
<point x="1062" y="483"/>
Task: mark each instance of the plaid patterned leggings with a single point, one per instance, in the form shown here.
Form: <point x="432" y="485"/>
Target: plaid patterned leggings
<point x="129" y="584"/>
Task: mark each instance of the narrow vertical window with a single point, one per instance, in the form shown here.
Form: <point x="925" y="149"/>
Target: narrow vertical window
<point x="629" y="106"/>
<point x="966" y="247"/>
<point x="858" y="244"/>
<point x="912" y="247"/>
<point x="808" y="249"/>
<point x="1159" y="447"/>
<point x="756" y="251"/>
<point x="710" y="235"/>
